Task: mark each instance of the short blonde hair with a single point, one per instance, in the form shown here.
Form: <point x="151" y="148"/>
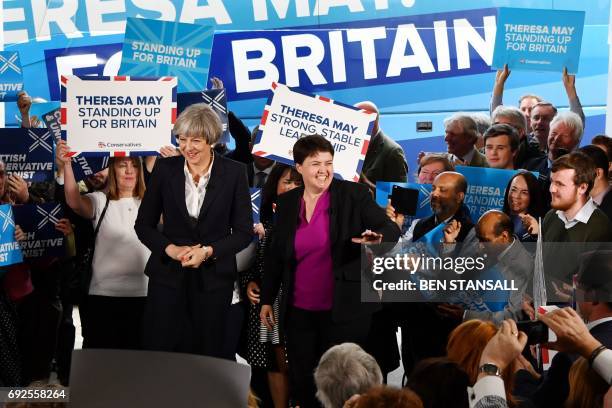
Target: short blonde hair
<point x="199" y="120"/>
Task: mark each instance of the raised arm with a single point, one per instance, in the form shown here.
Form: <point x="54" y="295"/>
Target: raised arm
<point x="80" y="204"/>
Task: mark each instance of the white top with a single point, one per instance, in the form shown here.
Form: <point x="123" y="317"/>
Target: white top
<point x="119" y="258"/>
<point x="594" y="323"/>
<point x="583" y="215"/>
<point x="487" y="386"/>
<point x="603" y="365"/>
<point x="194" y="195"/>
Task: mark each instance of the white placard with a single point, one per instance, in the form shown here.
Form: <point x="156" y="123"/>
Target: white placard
<point x="118" y="115"/>
<point x="290" y="115"/>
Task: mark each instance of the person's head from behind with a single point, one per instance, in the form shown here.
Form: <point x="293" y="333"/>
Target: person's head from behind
<point x="431" y="165"/>
<point x="282" y="178"/>
<point x="314" y="160"/>
<point x="509" y="115"/>
<point x="465" y="346"/>
<point x="125" y="178"/>
<point x="447" y="193"/>
<point x="604" y="143"/>
<point x="501" y="144"/>
<point x="261" y="163"/>
<point x="483" y="122"/>
<point x="461" y="134"/>
<point x="440" y="383"/>
<point x="526" y="104"/>
<point x="565" y="132"/>
<point x="343" y="371"/>
<point x="600" y="159"/>
<point x="594" y="285"/>
<point x="572" y="177"/>
<point x="385" y="396"/>
<point x="197" y="129"/>
<point x="370" y="107"/>
<point x="97" y="181"/>
<point x="587" y="388"/>
<point x="524" y="195"/>
<point x="541" y="115"/>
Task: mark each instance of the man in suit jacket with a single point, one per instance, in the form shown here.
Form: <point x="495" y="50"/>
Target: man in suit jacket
<point x="385" y="160"/>
<point x="204" y="204"/>
<point x="461" y="134"/>
<point x="600" y="193"/>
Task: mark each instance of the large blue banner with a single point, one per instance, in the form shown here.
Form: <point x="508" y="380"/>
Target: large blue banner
<point x="359" y="54"/>
<point x="539" y="40"/>
<point x="38" y="222"/>
<point x="10" y="251"/>
<point x="486" y="188"/>
<point x="27" y="153"/>
<point x="215" y="98"/>
<point x="11" y="76"/>
<point x="161" y="48"/>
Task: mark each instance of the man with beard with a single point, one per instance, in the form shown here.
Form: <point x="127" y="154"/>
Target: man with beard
<point x="425" y="327"/>
<point x="574" y="218"/>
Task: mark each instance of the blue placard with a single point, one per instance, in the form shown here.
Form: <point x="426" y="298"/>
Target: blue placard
<point x="538" y="40"/>
<point x="38" y="222"/>
<point x="162" y="48"/>
<point x="256" y="203"/>
<point x="11" y="76"/>
<point x="82" y="166"/>
<point x="486" y="188"/>
<point x="10" y="251"/>
<point x="215" y="98"/>
<point x="27" y="153"/>
<point x="383" y="191"/>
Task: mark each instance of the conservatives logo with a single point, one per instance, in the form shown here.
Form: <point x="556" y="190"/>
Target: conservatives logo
<point x="101" y="145"/>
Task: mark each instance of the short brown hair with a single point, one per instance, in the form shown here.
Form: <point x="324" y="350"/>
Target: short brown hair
<point x="603" y="140"/>
<point x="436" y="158"/>
<point x="502" y="129"/>
<point x="583" y="166"/>
<point x="113" y="190"/>
<point x="385" y="396"/>
<point x="310" y="145"/>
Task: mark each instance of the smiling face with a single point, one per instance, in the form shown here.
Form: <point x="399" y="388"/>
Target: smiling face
<point x="498" y="152"/>
<point x="127" y="173"/>
<point x="457" y="141"/>
<point x="317" y="171"/>
<point x="526" y="106"/>
<point x="430" y="171"/>
<point x="561" y="137"/>
<point x="194" y="149"/>
<point x="518" y="196"/>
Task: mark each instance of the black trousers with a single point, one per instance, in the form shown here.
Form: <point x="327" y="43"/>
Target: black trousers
<point x="309" y="334"/>
<point x="188" y="319"/>
<point x="112" y="322"/>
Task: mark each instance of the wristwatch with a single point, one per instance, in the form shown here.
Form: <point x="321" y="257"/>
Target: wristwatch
<point x="490" y="369"/>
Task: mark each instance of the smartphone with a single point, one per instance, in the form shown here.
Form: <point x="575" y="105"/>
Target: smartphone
<point x="536" y="331"/>
<point x="405" y="200"/>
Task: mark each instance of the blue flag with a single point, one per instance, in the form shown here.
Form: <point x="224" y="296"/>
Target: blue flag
<point x="10" y="251"/>
<point x="38" y="222"/>
<point x="82" y="166"/>
<point x="28" y="153"/>
<point x="256" y="203"/>
<point x="215" y="98"/>
<point x="11" y="76"/>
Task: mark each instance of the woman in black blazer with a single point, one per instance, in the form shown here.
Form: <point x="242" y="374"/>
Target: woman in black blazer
<point x="316" y="254"/>
<point x="203" y="203"/>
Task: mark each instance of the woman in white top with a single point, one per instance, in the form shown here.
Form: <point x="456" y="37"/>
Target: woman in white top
<point x="111" y="315"/>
